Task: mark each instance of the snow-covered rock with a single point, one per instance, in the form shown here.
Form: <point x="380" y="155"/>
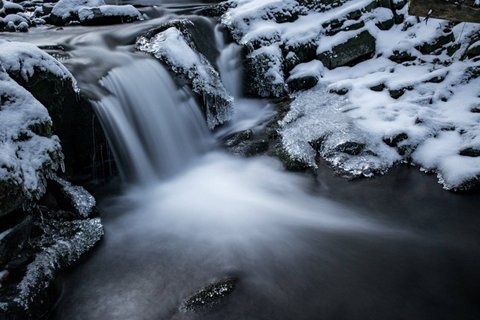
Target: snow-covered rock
<point x="178" y="52"/>
<point x="29" y="153"/>
<point x="411" y="89"/>
<point x="92" y="12"/>
<point x="108" y="14"/>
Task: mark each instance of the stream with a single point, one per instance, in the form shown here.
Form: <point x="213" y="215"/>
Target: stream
<point x="187" y="213"/>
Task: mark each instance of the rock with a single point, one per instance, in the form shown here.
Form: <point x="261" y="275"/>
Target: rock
<point x="401" y="57"/>
<point x="108" y="14"/>
<point x="84" y="144"/>
<point x="395" y="140"/>
<point x="302" y="83"/>
<point x="436" y="44"/>
<point x="357" y="49"/>
<point x="378" y="88"/>
<point x="66" y="11"/>
<point x="470" y="152"/>
<point x="264" y="72"/>
<point x="194" y="68"/>
<point x="216" y="10"/>
<point x="350" y="147"/>
<point x="396" y="93"/>
<point x="13" y="242"/>
<point x="237" y="138"/>
<point x="210" y="296"/>
<point x="71" y="198"/>
<point x="473" y="51"/>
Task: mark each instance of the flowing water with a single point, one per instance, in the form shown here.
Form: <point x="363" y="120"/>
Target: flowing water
<point x="396" y="247"/>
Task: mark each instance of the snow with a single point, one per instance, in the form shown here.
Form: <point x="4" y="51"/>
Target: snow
<point x="26" y="157"/>
<point x="27" y="58"/>
<point x="86" y="13"/>
<point x="66" y="9"/>
<point x="312" y="68"/>
<point x="171" y="47"/>
<point x="420" y="110"/>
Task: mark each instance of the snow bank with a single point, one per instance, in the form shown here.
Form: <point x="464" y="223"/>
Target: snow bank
<point x="411" y="95"/>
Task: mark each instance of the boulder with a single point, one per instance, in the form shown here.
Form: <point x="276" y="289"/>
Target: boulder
<point x="108" y="14"/>
<point x="354" y="50"/>
<point x="173" y="45"/>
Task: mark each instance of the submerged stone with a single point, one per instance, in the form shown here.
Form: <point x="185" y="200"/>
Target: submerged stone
<point x="210" y="296"/>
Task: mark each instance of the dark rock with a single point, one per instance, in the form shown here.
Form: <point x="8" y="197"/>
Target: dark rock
<point x="302" y="83"/>
<point x="473" y="52"/>
<point x="397" y="93"/>
<point x="12" y="244"/>
<point x="216" y="10"/>
<point x="378" y="87"/>
<point x="256" y="147"/>
<point x="87" y="154"/>
<point x="355" y="50"/>
<point x="350" y="147"/>
<point x="339" y="91"/>
<point x="237" y="138"/>
<point x="396" y="139"/>
<point x="401" y="57"/>
<point x="470" y="152"/>
<point x="436" y="44"/>
<point x="288" y="162"/>
<point x="210" y="296"/>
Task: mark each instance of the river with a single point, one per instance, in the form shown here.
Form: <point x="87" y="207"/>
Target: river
<point x="187" y="213"/>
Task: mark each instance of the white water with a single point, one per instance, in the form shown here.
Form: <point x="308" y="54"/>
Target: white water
<point x="154" y="128"/>
<point x="186" y="188"/>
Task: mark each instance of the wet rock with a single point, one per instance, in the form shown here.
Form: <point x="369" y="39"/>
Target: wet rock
<point x="357" y="49"/>
<point x="237" y="138"/>
<point x="13" y="242"/>
<point x="211" y="296"/>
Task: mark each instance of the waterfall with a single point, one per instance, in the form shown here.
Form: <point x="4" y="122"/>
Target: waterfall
<point x="229" y="63"/>
<point x="154" y="127"/>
